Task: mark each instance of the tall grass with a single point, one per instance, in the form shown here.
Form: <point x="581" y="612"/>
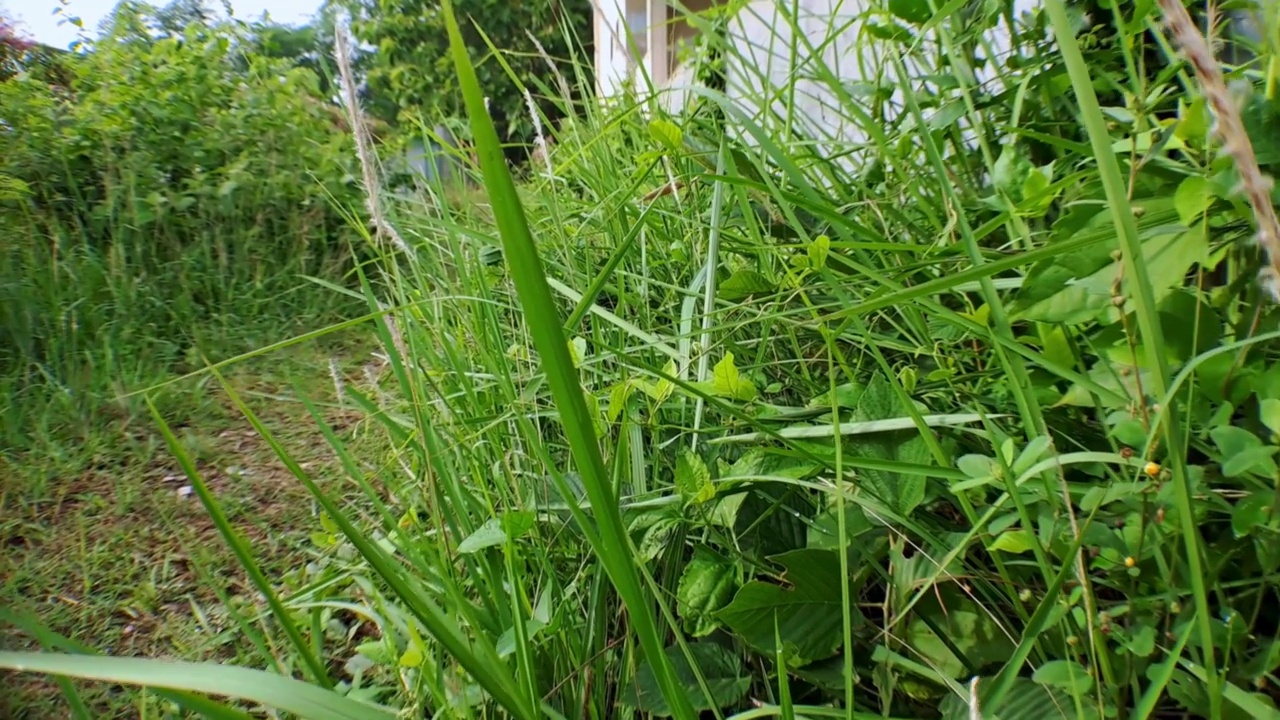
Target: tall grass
<point x="980" y="427"/>
<point x="167" y="199"/>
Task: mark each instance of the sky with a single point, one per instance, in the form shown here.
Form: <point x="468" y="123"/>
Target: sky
<point x="37" y="20"/>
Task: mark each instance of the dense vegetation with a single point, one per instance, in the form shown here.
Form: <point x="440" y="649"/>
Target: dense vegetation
<point x="163" y="195"/>
<point x="980" y="423"/>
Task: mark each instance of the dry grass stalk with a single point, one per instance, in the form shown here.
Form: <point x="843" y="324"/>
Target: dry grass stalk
<point x="1229" y="127"/>
<point x="364" y="143"/>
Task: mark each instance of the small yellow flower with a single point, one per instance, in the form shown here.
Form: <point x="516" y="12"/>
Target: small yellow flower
<point x="1130" y="562"/>
<point x="1151" y="469"/>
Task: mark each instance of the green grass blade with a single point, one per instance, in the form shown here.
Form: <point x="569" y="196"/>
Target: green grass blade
<point x="476" y="655"/>
<point x="244" y="555"/>
<point x="187" y="700"/>
<point x="522" y="258"/>
<point x="284" y="693"/>
<point x="1149" y="324"/>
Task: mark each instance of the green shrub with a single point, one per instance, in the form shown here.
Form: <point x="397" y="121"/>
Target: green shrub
<point x="171" y="185"/>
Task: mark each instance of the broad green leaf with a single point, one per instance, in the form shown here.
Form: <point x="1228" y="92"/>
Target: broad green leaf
<point x="1123" y="379"/>
<point x="693" y="479"/>
<point x="1269" y="414"/>
<point x="728" y="382"/>
<point x="771" y="519"/>
<point x="655" y="538"/>
<point x="1259" y="460"/>
<point x="667" y="134"/>
<point x="1014" y="541"/>
<point x="507" y="642"/>
<point x="1193" y="196"/>
<point x="1011" y="170"/>
<point x="806" y="613"/>
<point x="515" y="523"/>
<point x="742" y="284"/>
<point x="976" y="466"/>
<point x="720" y="667"/>
<point x="1169" y="253"/>
<point x="377" y="651"/>
<point x="706" y="586"/>
<point x="1064" y="674"/>
<point x="487" y="535"/>
<point x="578" y="350"/>
<point x="1031" y="454"/>
<point x="916" y="12"/>
<point x="1243" y="452"/>
<point x="618" y="396"/>
<point x="1037" y="195"/>
<point x="818" y="251"/>
<point x="276" y="691"/>
<point x="893" y="438"/>
<point x="971" y="630"/>
<point x="412" y="656"/>
<point x="1142" y="642"/>
<point x="1252" y="512"/>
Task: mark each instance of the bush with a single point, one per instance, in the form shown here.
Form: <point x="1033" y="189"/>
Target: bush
<point x="171" y="185"/>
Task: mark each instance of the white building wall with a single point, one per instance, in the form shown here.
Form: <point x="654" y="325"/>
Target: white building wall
<point x="831" y="33"/>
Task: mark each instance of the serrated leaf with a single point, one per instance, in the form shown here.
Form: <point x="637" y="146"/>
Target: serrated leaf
<point x="693" y="479"/>
<point x="721" y="668"/>
<point x="728" y="382"/>
<point x="886" y="435"/>
<point x="742" y="284"/>
<point x="806" y="614"/>
<point x="706" y="586"/>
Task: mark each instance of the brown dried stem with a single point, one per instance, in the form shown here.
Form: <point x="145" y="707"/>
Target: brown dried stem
<point x="1229" y="128"/>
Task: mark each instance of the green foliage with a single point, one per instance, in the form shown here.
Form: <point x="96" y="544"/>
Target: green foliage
<point x="165" y="194"/>
<point x="810" y="438"/>
<point x="410" y="76"/>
